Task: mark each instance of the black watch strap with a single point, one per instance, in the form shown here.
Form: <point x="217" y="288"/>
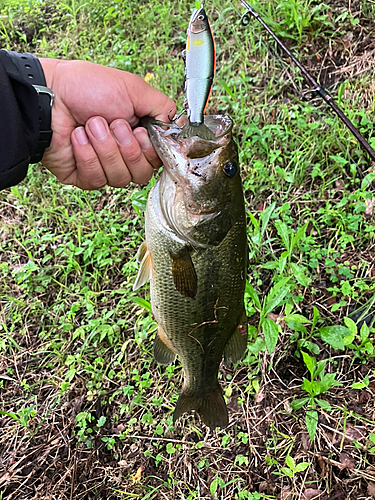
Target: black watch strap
<point x="32" y="71"/>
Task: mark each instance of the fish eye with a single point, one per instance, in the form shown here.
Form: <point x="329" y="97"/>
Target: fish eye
<point x="200" y="18"/>
<point x="230" y="169"/>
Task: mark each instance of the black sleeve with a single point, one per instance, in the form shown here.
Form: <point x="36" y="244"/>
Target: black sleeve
<point x="19" y="123"/>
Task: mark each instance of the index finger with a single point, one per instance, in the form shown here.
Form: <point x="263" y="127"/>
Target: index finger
<point x="148" y="101"/>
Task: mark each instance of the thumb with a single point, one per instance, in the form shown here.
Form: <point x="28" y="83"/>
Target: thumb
<point x="148" y="101"/>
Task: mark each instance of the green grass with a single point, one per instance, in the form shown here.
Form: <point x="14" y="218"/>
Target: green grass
<point x="78" y="385"/>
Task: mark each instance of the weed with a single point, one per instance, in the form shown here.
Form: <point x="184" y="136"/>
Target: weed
<point x="318" y="384"/>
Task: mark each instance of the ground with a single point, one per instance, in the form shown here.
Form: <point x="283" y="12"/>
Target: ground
<point x="85" y="411"/>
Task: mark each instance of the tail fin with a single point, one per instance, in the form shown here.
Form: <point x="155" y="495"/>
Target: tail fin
<point x="201" y="130"/>
<point x="211" y="408"/>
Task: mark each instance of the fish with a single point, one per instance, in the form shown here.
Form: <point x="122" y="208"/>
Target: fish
<point x="200" y="63"/>
<point x="195" y="255"/>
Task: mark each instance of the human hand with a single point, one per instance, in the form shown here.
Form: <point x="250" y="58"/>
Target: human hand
<point x="95" y="115"/>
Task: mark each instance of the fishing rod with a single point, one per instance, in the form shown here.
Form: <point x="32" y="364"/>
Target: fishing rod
<point x="317" y="89"/>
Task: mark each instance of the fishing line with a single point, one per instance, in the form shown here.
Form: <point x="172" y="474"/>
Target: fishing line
<point x="316" y="90"/>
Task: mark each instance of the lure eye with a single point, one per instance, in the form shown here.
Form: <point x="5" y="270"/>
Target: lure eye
<point x="230" y="169"/>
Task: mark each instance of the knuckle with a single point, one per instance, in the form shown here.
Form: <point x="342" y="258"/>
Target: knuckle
<point x="126" y="179"/>
<point x="111" y="157"/>
<point x="134" y="156"/>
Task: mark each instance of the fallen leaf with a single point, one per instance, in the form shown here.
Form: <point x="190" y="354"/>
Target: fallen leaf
<point x="137" y="477"/>
<point x="370" y="205"/>
<point x="347" y="38"/>
<point x="339" y="185"/>
<point x="305" y="441"/>
<point x="352" y="433"/>
<point x="263" y="487"/>
<point x="347" y="461"/>
<point x="364" y="396"/>
<point x="323" y="466"/>
<point x="260" y="396"/>
<point x="311" y="494"/>
<point x="371" y="489"/>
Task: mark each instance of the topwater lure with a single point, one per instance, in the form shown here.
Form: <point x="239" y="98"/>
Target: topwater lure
<point x="199" y="71"/>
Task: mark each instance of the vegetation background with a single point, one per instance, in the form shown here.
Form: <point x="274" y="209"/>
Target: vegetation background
<point x="85" y="411"/>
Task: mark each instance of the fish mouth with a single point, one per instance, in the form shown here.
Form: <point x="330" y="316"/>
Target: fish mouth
<point x="220" y="125"/>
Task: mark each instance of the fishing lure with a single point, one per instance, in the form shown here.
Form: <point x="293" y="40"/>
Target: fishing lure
<point x="199" y="72"/>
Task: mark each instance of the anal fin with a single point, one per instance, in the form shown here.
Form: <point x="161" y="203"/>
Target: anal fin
<point x="184" y="275"/>
<point x="210" y="407"/>
<point x="237" y="344"/>
<point x="144" y="272"/>
<point x="163" y="354"/>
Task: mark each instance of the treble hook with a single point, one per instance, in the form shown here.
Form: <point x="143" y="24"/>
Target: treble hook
<point x="175" y="118"/>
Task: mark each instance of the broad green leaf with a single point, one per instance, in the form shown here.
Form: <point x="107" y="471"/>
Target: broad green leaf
<point x="253" y="294"/>
<point x="282" y="229"/>
<point x="288" y="309"/>
<point x="315" y="318"/>
<point x="265" y="216"/>
<point x="287" y="471"/>
<point x="306" y="344"/>
<point x="101" y="421"/>
<point x="301" y="467"/>
<point x="254" y="222"/>
<point x="271" y="334"/>
<point x="282" y="262"/>
<point x="327" y="382"/>
<point x="297" y="317"/>
<point x="323" y="404"/>
<point x="213" y="487"/>
<point x="368" y="180"/>
<point x="296" y="326"/>
<point x="290" y="462"/>
<point x="360" y="385"/>
<point x="365" y="332"/>
<point x="348" y="340"/>
<point x="298" y="403"/>
<point x="257" y="346"/>
<point x="299" y="274"/>
<point x="310" y="362"/>
<point x="276" y="295"/>
<point x="333" y="335"/>
<point x="311" y="423"/>
<point x="307" y="386"/>
<point x="320" y="368"/>
<point x="271" y="265"/>
<point x="300" y="234"/>
<point x="142" y="303"/>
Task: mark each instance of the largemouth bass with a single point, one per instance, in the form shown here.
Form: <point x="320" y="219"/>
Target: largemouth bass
<point x="195" y="254"/>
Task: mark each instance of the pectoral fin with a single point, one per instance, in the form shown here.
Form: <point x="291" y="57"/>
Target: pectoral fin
<point x="236" y="346"/>
<point x="141" y="252"/>
<point x="144" y="272"/>
<point x="162" y="352"/>
<point x="184" y="275"/>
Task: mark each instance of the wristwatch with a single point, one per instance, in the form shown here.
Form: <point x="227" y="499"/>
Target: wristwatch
<point x="32" y="71"/>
